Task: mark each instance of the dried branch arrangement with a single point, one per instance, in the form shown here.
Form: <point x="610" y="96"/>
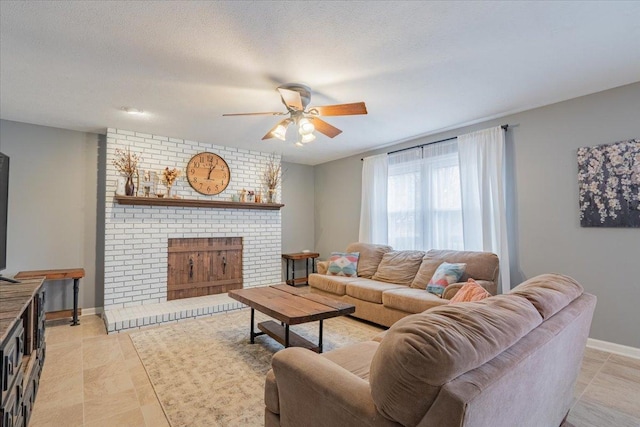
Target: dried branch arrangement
<point x="126" y="162"/>
<point x="272" y="173"/>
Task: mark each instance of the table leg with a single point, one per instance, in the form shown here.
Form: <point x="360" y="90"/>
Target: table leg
<point x="320" y="340"/>
<point x="76" y="288"/>
<point x="293" y="273"/>
<point x="306" y="264"/>
<point x="252" y="334"/>
<point x="286" y="335"/>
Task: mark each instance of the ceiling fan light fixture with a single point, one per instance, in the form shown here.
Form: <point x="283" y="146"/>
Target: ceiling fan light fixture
<point x="307" y="138"/>
<point x="305" y="127"/>
<point x="280" y="132"/>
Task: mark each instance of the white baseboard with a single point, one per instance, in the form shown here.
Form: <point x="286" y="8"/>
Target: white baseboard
<point x="622" y="350"/>
<point x="92" y="311"/>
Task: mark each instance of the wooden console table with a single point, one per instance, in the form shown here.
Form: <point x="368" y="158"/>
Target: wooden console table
<point x="62" y="274"/>
<point x="293" y="258"/>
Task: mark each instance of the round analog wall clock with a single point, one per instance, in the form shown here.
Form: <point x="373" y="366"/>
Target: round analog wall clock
<point x="208" y="173"/>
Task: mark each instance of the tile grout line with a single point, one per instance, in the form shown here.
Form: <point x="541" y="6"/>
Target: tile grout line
<point x="155" y="392"/>
<point x="591" y="380"/>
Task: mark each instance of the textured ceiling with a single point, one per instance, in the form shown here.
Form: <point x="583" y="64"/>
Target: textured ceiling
<point x="420" y="67"/>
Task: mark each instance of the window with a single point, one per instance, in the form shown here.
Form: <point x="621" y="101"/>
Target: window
<point x="423" y="202"/>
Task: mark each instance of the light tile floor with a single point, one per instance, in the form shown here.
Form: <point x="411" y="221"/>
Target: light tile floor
<point x="93" y="379"/>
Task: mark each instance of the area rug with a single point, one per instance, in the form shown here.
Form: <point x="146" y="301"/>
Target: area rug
<point x="205" y="372"/>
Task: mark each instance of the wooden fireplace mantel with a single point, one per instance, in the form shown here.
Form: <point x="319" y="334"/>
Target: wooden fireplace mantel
<point x="193" y="203"/>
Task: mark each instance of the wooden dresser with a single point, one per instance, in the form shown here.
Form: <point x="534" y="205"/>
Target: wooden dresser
<point x="22" y="349"/>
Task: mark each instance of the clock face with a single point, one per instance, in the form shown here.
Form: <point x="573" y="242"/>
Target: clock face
<point x="208" y="173"/>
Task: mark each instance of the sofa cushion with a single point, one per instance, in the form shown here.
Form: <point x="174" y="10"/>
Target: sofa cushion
<point x="399" y="267"/>
<point x="425" y="272"/>
<point x="549" y="293"/>
<point x="480" y="265"/>
<point x="446" y="274"/>
<point x="369" y="290"/>
<point x="469" y="292"/>
<point x="421" y="352"/>
<point x="354" y="358"/>
<point x="343" y="264"/>
<point x="411" y="300"/>
<point x="370" y="257"/>
<point x="332" y="284"/>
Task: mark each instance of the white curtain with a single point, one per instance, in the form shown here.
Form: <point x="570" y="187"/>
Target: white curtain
<point x="404" y="204"/>
<point x="373" y="206"/>
<point x="443" y="207"/>
<point x="424" y="198"/>
<point x="482" y="177"/>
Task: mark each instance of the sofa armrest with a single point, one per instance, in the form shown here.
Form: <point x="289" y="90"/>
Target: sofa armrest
<point x="313" y="390"/>
<point x="453" y="288"/>
<point x="322" y="267"/>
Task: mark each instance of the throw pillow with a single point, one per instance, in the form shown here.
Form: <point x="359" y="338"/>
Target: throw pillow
<point x="470" y="291"/>
<point x="445" y="275"/>
<point x="343" y="264"/>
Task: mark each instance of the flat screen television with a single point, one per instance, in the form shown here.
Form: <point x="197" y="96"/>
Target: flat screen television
<point x="4" y="207"/>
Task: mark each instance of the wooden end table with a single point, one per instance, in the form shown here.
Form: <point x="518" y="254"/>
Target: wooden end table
<point x="293" y="257"/>
<point x="290" y="306"/>
<point x="61" y="274"/>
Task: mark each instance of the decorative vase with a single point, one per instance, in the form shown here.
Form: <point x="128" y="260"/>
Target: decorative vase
<point x="129" y="188"/>
<point x="168" y="190"/>
<point x="271" y="195"/>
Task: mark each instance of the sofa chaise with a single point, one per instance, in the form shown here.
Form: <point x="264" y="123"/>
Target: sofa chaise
<point x="391" y="284"/>
<point x="507" y="360"/>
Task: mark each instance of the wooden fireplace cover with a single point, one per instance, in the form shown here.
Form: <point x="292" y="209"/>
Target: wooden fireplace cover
<point x="203" y="266"/>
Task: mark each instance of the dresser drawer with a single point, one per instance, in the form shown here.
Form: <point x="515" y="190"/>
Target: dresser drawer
<point x="11" y="354"/>
<point x="30" y="392"/>
<point x="12" y="406"/>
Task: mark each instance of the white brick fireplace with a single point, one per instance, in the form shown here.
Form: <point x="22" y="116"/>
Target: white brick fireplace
<point x="136" y="236"/>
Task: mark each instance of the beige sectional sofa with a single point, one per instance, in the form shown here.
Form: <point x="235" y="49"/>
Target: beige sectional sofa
<point x="391" y="284"/>
<point x="508" y="360"/>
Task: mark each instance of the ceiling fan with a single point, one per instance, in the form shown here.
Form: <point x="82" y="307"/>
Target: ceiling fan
<point x="296" y="97"/>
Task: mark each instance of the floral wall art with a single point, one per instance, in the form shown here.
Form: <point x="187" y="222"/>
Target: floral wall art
<point x="609" y="184"/>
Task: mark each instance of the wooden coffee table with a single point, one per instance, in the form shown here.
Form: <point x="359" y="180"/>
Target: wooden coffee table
<point x="291" y="306"/>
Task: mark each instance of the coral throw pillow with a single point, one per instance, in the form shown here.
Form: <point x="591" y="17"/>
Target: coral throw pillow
<point x="470" y="291"/>
<point x="445" y="274"/>
<point x="343" y="264"/>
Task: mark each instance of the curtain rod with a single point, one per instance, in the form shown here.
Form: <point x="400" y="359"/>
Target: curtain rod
<point x="505" y="127"/>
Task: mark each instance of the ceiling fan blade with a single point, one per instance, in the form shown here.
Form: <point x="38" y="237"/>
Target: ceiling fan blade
<point x="284" y="122"/>
<point x="256" y="114"/>
<point x="340" y="109"/>
<point x="324" y="127"/>
<point x="291" y="98"/>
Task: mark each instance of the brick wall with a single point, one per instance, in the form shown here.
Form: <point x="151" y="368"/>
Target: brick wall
<point x="136" y="236"/>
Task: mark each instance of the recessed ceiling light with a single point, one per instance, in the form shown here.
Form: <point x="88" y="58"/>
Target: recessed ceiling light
<point x="133" y="111"/>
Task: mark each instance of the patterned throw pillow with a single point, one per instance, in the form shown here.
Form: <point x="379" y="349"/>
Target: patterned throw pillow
<point x="470" y="291"/>
<point x="343" y="264"/>
<point x="445" y="275"/>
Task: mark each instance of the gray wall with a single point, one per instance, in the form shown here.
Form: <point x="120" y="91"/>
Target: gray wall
<point x="52" y="207"/>
<point x="542" y="145"/>
<point x="298" y="212"/>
